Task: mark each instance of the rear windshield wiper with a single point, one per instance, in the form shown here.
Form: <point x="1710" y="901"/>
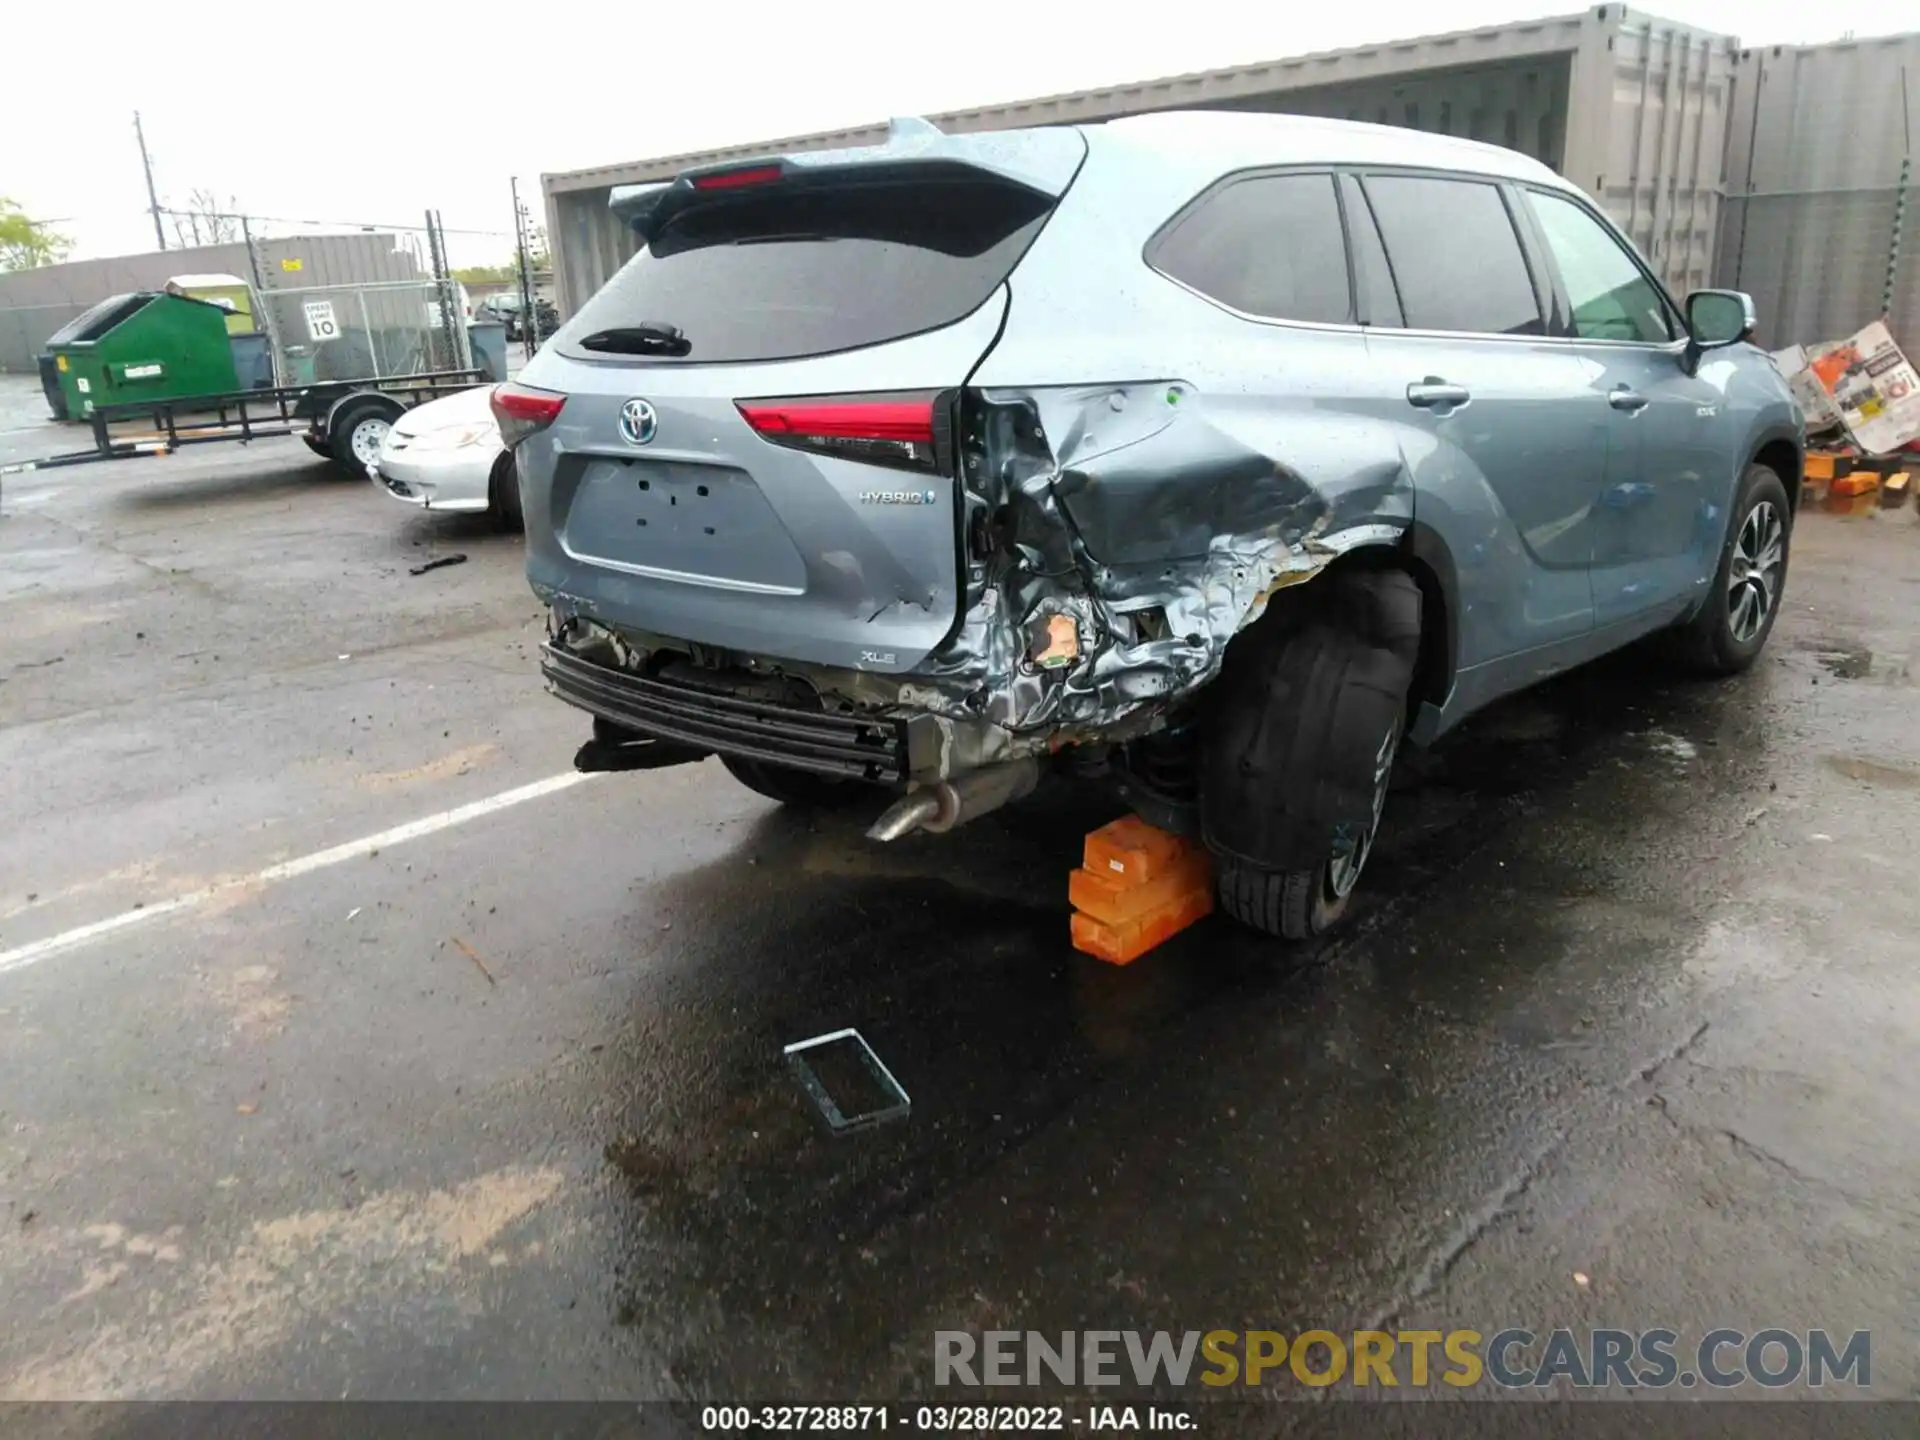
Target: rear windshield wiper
<point x="649" y="337"/>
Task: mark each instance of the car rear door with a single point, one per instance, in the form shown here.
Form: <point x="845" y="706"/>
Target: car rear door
<point x="1505" y="442"/>
<point x="754" y="452"/>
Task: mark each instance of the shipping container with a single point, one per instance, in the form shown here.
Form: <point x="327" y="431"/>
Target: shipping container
<point x="1631" y="108"/>
<point x="1822" y="226"/>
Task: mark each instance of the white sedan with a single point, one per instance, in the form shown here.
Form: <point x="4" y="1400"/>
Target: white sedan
<point x="447" y="455"/>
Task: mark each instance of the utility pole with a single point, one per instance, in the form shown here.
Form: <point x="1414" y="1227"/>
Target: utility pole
<point x="146" y="164"/>
<point x="529" y="319"/>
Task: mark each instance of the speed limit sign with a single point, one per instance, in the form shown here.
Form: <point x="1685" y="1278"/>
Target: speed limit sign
<point x="320" y="322"/>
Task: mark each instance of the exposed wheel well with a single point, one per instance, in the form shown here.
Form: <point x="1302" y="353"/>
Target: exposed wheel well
<point x="1783" y="459"/>
<point x="1433" y="670"/>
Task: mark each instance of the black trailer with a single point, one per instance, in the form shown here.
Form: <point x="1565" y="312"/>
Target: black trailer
<point x="340" y="420"/>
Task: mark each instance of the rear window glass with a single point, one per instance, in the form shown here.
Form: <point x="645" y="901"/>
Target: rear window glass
<point x="808" y="270"/>
<point x="1455" y="255"/>
<point x="1269" y="246"/>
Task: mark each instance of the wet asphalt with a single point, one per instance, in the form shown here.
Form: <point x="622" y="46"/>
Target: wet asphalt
<point x="500" y="1111"/>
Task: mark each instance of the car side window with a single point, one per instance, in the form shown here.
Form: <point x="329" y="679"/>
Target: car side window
<point x="1455" y="255"/>
<point x="1268" y="245"/>
<point x="1612" y="298"/>
<point x="1379" y="297"/>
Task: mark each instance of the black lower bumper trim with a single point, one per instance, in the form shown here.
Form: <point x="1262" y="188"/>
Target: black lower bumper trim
<point x="826" y="744"/>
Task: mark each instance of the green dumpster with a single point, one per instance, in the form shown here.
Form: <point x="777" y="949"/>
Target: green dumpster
<point x="144" y="346"/>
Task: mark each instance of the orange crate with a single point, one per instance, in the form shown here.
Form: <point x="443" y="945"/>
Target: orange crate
<point x="1124" y="943"/>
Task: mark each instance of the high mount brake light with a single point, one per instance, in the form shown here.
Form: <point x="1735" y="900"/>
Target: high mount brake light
<point x="895" y="431"/>
<point x="734" y="179"/>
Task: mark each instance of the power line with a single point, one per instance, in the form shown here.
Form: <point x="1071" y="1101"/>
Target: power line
<point x="342" y="224"/>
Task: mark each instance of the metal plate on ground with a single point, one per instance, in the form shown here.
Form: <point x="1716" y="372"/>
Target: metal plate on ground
<point x="848" y="1084"/>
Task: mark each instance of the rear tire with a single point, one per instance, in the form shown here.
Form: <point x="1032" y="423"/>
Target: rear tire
<point x="503" y="496"/>
<point x="1302" y="904"/>
<point x="1308" y="723"/>
<point x="802" y="789"/>
<point x="1731" y="629"/>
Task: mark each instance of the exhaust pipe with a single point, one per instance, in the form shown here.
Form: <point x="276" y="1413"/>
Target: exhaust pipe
<point x="940" y="807"/>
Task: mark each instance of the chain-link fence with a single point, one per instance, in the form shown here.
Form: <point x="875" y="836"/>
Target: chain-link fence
<point x="390" y="290"/>
<point x="368" y="331"/>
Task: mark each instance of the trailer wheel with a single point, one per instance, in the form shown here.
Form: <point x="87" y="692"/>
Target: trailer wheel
<point x="355" y="429"/>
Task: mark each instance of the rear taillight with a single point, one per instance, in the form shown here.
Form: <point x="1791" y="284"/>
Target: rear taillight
<point x="898" y="431"/>
<point x="903" y="432"/>
<point x="522" y="411"/>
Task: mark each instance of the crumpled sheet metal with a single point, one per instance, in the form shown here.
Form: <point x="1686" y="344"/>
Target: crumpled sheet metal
<point x="1158" y="530"/>
<point x="1160" y="521"/>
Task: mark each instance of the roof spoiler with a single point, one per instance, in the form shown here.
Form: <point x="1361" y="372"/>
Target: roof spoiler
<point x="1042" y="160"/>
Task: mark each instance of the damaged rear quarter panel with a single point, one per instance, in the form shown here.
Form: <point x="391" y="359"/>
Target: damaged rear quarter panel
<point x="1223" y="459"/>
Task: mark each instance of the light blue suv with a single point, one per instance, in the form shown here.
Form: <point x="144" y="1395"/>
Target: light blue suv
<point x="1202" y="455"/>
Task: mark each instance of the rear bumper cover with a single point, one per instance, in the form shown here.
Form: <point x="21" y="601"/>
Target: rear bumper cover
<point x="873" y="748"/>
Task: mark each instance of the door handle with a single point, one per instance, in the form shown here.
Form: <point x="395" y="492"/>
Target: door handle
<point x="1621" y="398"/>
<point x="1434" y="393"/>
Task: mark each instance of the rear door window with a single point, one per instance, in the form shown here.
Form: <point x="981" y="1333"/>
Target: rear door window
<point x="798" y="270"/>
<point x="1379" y="297"/>
<point x="1611" y="297"/>
<point x="1455" y="255"/>
<point x="1268" y="245"/>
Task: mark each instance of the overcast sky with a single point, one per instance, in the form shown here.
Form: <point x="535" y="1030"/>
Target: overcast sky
<point x="360" y="112"/>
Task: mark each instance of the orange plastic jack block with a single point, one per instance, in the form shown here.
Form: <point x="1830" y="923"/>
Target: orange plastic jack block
<point x="1139" y="886"/>
<point x="1838" y="504"/>
<point x="1125" y="943"/>
<point x="1109" y="899"/>
<point x="1133" y="851"/>
<point x="1860" y="482"/>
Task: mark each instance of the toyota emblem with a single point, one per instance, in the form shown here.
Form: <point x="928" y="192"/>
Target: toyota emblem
<point x="638" y="421"/>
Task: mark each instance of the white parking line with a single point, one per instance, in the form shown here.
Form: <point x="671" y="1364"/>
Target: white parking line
<point x="24" y="955"/>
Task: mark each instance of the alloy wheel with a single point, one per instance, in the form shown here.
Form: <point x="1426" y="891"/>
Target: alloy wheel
<point x="1343" y="871"/>
<point x="1753" y="580"/>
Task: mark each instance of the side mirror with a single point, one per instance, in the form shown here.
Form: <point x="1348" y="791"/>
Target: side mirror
<point x="1719" y="317"/>
<point x="1716" y="319"/>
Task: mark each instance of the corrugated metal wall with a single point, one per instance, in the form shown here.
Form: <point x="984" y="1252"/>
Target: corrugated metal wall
<point x="35" y="303"/>
<point x="1521" y="105"/>
<point x="1632" y="108"/>
<point x="588" y="245"/>
<point x="1813" y="175"/>
<point x="1663" y="125"/>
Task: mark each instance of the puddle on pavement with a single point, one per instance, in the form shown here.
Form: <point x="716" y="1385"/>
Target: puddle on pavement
<point x="1847" y="664"/>
<point x="953" y="962"/>
<point x="1875" y="772"/>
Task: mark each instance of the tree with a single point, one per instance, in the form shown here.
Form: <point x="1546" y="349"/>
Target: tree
<point x="206" y="221"/>
<point x="539" y="262"/>
<point x="27" y="244"/>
